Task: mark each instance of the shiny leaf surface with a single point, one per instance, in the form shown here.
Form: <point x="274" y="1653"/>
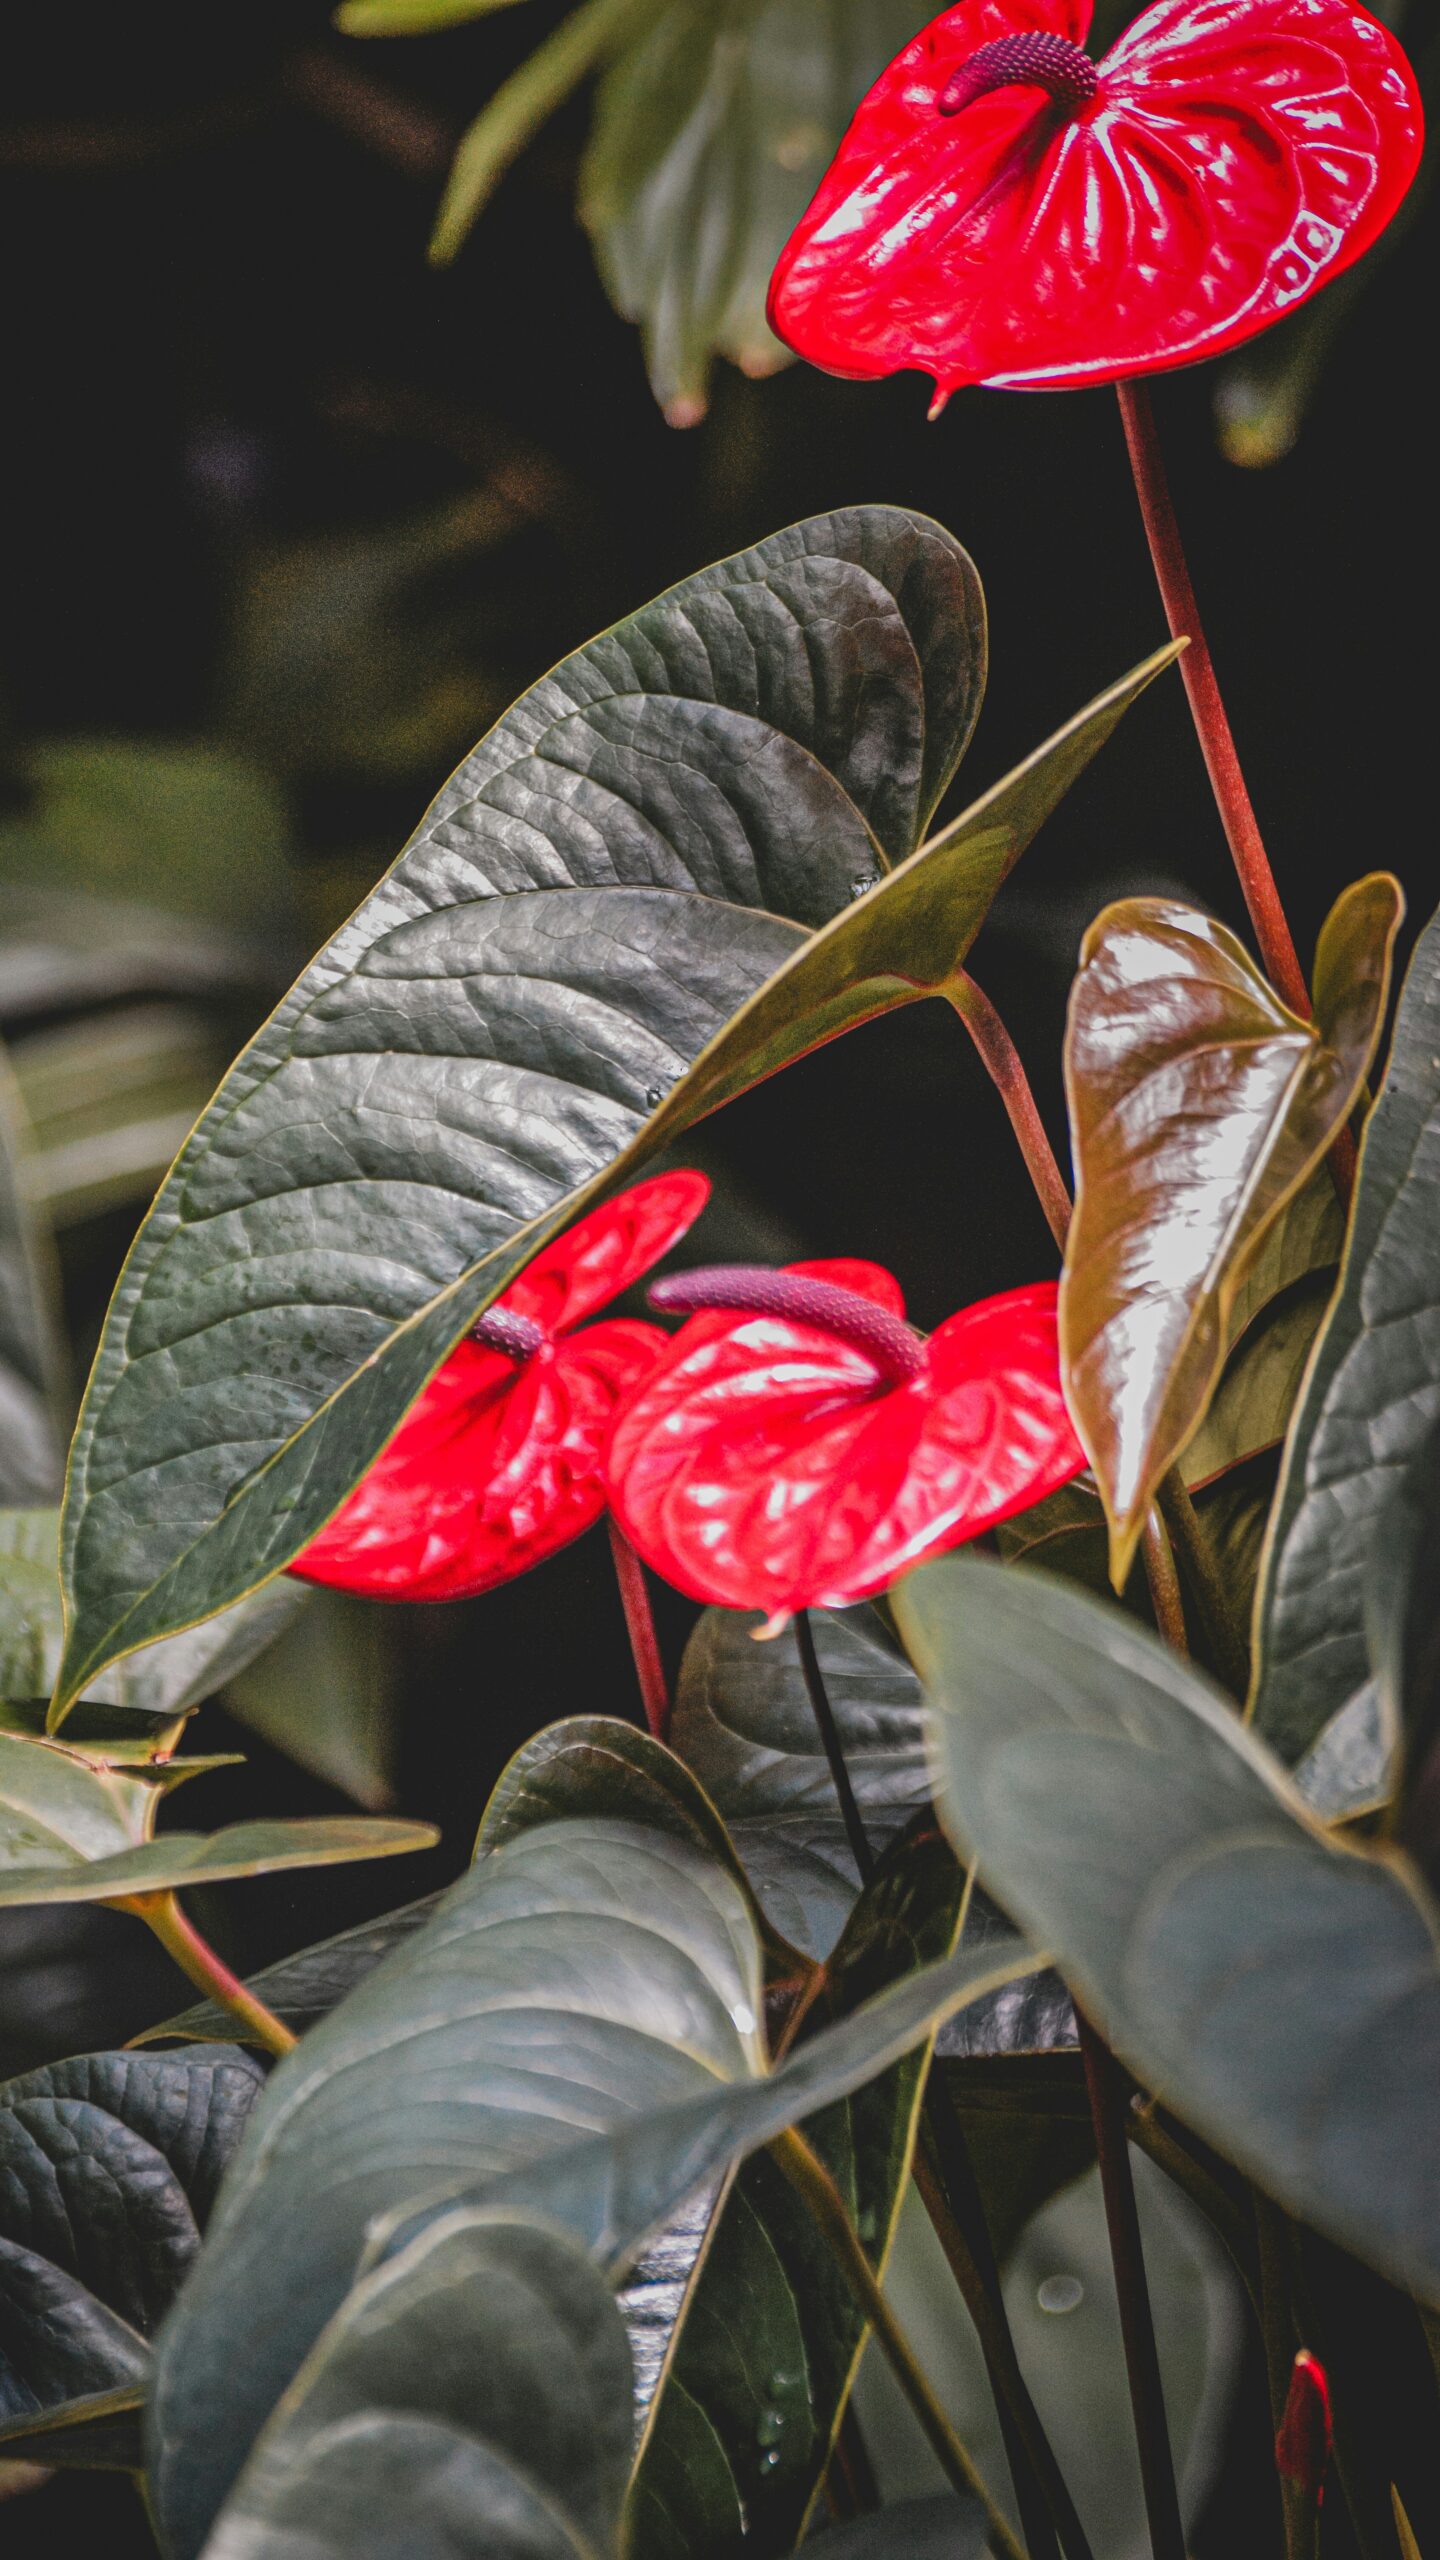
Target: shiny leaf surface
<point x="1199" y="1105"/>
<point x="1370" y="1397"/>
<point x="1224" y="166"/>
<point x="605" y="881"/>
<point x="619" y="1949"/>
<point x="108" y="2169"/>
<point x="469" y="2401"/>
<point x="764" y="2346"/>
<point x="1280" y="1993"/>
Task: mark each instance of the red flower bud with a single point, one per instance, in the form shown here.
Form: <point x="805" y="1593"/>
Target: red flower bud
<point x="498" y="1464"/>
<point x="1302" y="2447"/>
<point x="804" y="1454"/>
<point x="1003" y="210"/>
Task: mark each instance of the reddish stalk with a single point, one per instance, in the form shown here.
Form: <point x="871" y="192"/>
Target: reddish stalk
<point x="1109" y="2105"/>
<point x="197" y="1959"/>
<point x="1005" y="1068"/>
<point x="640" y="1627"/>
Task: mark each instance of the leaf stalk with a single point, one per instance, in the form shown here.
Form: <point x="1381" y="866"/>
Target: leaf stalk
<point x="197" y="1959"/>
<point x="640" y="1627"/>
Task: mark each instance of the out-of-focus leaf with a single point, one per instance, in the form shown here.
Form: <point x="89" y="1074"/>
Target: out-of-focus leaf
<point x="591" y="1976"/>
<point x="1060" y="2296"/>
<point x="31" y="1459"/>
<point x="914" y="2529"/>
<point x="189" y="831"/>
<point x="108" y="2168"/>
<point x="112" y="1097"/>
<point x="1348" y="1771"/>
<point x="1370" y="1397"/>
<point x="1279" y="1992"/>
<point x="1252" y="1404"/>
<point x="510" y="1027"/>
<point x="762" y="2349"/>
<point x="470" y="2401"/>
<point x="61" y="951"/>
<point x="410" y="17"/>
<point x="712" y="131"/>
<point x="325" y="1694"/>
<point x="163" y="1680"/>
<point x="303" y="1988"/>
<point x="1199" y="1105"/>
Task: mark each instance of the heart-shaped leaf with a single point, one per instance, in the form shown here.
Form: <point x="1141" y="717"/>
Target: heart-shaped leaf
<point x="75" y="1829"/>
<point x="1279" y="1992"/>
<point x="744" y="1723"/>
<point x="1371" y="1394"/>
<point x="108" y="2169"/>
<point x="164" y="1680"/>
<point x="590" y="1978"/>
<point x="469" y="2401"/>
<point x="712" y="131"/>
<point x="1199" y="1105"/>
<point x="584" y="949"/>
<point x="763" y="2350"/>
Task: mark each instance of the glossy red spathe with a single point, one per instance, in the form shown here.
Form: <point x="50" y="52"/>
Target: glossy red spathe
<point x="769" y="1463"/>
<point x="1235" y="155"/>
<point x="498" y="1464"/>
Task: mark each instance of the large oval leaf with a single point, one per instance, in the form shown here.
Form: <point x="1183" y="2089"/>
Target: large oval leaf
<point x="1280" y="1992"/>
<point x="108" y="2169"/>
<point x="1199" y="1105"/>
<point x="559" y="976"/>
<point x="1371" y="1395"/>
<point x="470" y="2401"/>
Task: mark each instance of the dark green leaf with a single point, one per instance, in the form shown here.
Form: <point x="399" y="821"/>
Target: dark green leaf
<point x="44" y="1863"/>
<point x="470" y="2401"/>
<point x="712" y="131"/>
<point x="1278" y="1992"/>
<point x="744" y="1723"/>
<point x="520" y="1032"/>
<point x="1199" y="1106"/>
<point x="326" y="1694"/>
<point x="1402" y="1625"/>
<point x="164" y="1680"/>
<point x="590" y="1978"/>
<point x="100" y="2431"/>
<point x="1370" y="1397"/>
<point x="108" y="2168"/>
<point x="763" y="2350"/>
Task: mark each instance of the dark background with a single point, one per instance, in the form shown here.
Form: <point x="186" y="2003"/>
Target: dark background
<point x="223" y="336"/>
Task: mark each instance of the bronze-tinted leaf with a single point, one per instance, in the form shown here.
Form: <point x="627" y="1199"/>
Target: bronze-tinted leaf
<point x="1199" y="1105"/>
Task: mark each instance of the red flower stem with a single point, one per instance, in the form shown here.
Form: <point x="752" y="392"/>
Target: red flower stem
<point x="1197" y="668"/>
<point x="1109" y="2108"/>
<point x="197" y="1959"/>
<point x="640" y="1627"/>
<point x="834" y="1749"/>
<point x="1005" y="1068"/>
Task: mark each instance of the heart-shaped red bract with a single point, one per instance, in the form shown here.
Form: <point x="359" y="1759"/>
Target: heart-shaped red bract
<point x="1236" y="155"/>
<point x="768" y="1464"/>
<point x="498" y="1464"/>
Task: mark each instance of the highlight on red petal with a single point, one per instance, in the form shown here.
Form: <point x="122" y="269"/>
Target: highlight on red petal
<point x="1234" y="156"/>
<point x="768" y="1462"/>
<point x="1302" y="2446"/>
<point x="499" y="1463"/>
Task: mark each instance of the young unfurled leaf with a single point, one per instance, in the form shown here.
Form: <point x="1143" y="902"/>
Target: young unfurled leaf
<point x="1199" y="1105"/>
<point x="1372" y="1393"/>
<point x="469" y="2401"/>
<point x="1279" y="1992"/>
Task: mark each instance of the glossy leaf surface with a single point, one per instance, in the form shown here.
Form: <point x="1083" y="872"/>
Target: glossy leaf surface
<point x="163" y="1681"/>
<point x="711" y="132"/>
<point x="499" y="1464"/>
<point x="623" y="862"/>
<point x="764" y="2346"/>
<point x="898" y="942"/>
<point x="1279" y="1993"/>
<point x="767" y="1463"/>
<point x="108" y="2169"/>
<point x="618" y="1950"/>
<point x="1370" y="1397"/>
<point x="1199" y="1105"/>
<point x="470" y="2401"/>
<point x="1230" y="161"/>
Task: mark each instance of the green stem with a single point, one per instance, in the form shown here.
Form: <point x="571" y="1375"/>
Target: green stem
<point x="197" y="1959"/>
<point x="823" y="2201"/>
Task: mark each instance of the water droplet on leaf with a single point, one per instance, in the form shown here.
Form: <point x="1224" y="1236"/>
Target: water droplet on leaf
<point x="1059" y="2294"/>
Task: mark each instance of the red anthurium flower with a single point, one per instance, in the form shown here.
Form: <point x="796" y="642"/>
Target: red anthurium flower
<point x="802" y="1445"/>
<point x="499" y="1462"/>
<point x="1302" y="2445"/>
<point x="1005" y="210"/>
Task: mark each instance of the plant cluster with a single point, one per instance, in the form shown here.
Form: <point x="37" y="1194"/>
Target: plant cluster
<point x="1028" y="1892"/>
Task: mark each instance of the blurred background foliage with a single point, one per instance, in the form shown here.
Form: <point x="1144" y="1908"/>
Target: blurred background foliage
<point x="292" y="512"/>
